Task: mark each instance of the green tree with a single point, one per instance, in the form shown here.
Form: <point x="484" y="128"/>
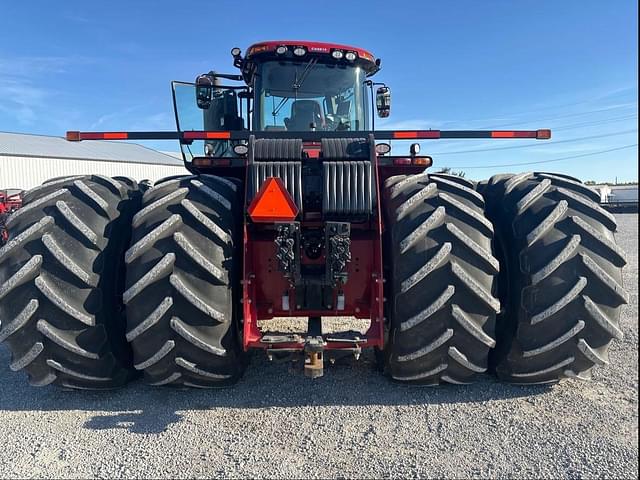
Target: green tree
<point x="449" y="171"/>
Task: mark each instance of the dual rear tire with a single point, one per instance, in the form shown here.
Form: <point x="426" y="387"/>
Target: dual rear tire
<point x="63" y="285"/>
<point x="561" y="280"/>
<point x="61" y="276"/>
<point x="183" y="271"/>
<point x="441" y="280"/>
<point x="541" y="254"/>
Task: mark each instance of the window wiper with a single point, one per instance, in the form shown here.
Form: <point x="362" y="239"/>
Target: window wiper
<point x="297" y="83"/>
<point x="279" y="106"/>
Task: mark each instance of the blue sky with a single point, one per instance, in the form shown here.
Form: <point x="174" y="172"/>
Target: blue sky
<point x="566" y="65"/>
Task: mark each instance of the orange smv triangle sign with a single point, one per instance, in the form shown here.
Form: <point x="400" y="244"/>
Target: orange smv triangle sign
<point x="273" y="203"/>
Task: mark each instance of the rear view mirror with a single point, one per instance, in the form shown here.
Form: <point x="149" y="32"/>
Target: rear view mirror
<point x="383" y="101"/>
<point x="204" y="84"/>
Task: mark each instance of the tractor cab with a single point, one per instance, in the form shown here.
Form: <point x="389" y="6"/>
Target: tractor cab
<point x="282" y="87"/>
<point x="309" y="86"/>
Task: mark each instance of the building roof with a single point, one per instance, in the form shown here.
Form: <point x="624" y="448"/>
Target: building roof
<point x="27" y="145"/>
<point x="626" y="186"/>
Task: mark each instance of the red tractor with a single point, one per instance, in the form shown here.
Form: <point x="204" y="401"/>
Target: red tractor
<point x="10" y="201"/>
<point x="295" y="207"/>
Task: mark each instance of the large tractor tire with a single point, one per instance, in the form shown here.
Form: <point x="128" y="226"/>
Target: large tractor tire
<point x="183" y="283"/>
<point x="61" y="281"/>
<point x="561" y="284"/>
<point x="441" y="281"/>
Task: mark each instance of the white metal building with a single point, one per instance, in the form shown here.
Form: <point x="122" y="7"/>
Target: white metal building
<point x="28" y="160"/>
<point x="617" y="193"/>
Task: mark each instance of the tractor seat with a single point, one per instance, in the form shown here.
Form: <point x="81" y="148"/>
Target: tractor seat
<point x="303" y="114"/>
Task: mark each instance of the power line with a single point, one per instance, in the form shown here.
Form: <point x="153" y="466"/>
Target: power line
<point x="512" y="147"/>
<point x="604" y="121"/>
<point x="592" y="123"/>
<point x="567" y="115"/>
<point x="590" y="100"/>
<point x="552" y="117"/>
<point x="551" y="160"/>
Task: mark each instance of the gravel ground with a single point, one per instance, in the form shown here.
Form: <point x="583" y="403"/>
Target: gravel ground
<point x="351" y="423"/>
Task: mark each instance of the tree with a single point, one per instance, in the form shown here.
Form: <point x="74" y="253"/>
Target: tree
<point x="448" y="171"/>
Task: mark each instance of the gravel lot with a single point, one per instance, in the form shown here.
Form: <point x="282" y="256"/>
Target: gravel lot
<point x="351" y="423"/>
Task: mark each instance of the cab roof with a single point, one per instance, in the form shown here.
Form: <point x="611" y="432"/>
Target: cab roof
<point x="266" y="49"/>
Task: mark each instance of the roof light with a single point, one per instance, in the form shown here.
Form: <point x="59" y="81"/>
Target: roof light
<point x="272" y="203"/>
<point x="337" y="54"/>
<point x="299" y="51"/>
<point x="236" y="52"/>
<point x="281" y="50"/>
<point x="351" y="56"/>
<point x="414" y="149"/>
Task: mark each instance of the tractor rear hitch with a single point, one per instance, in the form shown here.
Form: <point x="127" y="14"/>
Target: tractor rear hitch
<point x="314" y="357"/>
<point x="314" y="349"/>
